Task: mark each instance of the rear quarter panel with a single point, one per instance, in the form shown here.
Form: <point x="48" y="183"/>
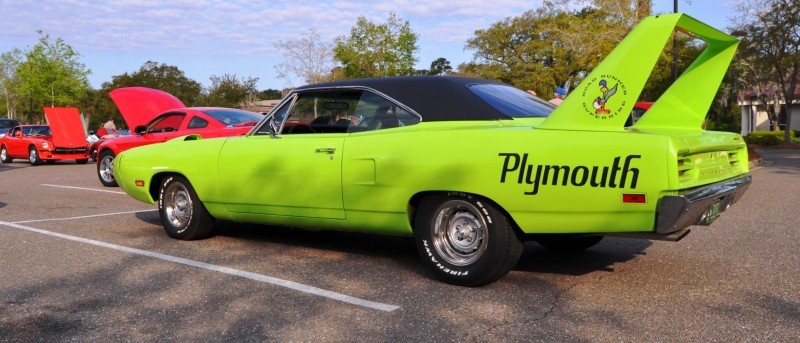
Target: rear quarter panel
<point x="383" y="170"/>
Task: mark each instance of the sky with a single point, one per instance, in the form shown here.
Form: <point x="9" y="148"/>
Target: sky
<point x="204" y="38"/>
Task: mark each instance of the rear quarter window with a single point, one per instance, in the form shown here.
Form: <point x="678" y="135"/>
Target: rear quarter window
<point x="512" y="101"/>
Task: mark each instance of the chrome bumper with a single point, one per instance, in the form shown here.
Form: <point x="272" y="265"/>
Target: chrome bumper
<point x="699" y="206"/>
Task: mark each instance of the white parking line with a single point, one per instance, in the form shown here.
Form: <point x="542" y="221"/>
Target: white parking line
<point x="230" y="271"/>
<point x="82" y="188"/>
<point x="81" y="217"/>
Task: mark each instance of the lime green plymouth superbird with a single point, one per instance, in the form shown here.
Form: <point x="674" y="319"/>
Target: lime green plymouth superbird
<point x="470" y="168"/>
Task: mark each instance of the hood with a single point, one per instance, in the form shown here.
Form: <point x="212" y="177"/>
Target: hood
<point x="139" y="105"/>
<point x="66" y="126"/>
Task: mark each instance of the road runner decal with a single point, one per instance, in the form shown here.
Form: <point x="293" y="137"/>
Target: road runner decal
<point x="616" y="175"/>
<point x="600" y="93"/>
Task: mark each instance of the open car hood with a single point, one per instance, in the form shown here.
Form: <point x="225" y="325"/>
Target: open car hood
<point x="139" y="105"/>
<point x="66" y="127"/>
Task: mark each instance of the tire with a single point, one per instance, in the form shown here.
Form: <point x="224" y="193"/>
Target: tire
<point x="33" y="156"/>
<point x="481" y="254"/>
<point x="105" y="169"/>
<point x="182" y="213"/>
<point x="567" y="243"/>
<point x="82" y="161"/>
<point x="4" y="156"/>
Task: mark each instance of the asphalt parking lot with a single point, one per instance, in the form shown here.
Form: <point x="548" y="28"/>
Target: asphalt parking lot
<point x="79" y="261"/>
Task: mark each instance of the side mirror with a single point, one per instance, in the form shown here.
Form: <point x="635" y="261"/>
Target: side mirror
<point x="17" y="134"/>
<point x="140" y="129"/>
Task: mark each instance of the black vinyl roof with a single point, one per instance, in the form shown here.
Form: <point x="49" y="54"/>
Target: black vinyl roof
<point x="435" y="98"/>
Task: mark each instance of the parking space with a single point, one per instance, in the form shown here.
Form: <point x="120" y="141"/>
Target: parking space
<point x="85" y="262"/>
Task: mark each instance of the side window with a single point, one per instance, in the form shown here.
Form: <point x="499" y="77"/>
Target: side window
<point x="167" y="123"/>
<point x="197" y="123"/>
<point x="339" y="111"/>
<point x="324" y="112"/>
<point x="377" y="113"/>
<point x="276" y="120"/>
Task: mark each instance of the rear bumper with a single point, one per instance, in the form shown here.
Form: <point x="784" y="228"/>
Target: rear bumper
<point x="699" y="206"/>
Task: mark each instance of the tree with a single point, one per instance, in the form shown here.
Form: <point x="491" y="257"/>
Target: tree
<point x="270" y="94"/>
<point x="440" y="66"/>
<point x="377" y="50"/>
<point x="51" y="75"/>
<point x="10" y="81"/>
<point x="99" y="107"/>
<point x="551" y="46"/>
<point x="309" y="58"/>
<point x="770" y="34"/>
<point x="229" y="91"/>
<point x="160" y="76"/>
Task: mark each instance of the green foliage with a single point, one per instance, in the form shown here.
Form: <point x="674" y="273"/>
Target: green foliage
<point x="160" y="76"/>
<point x="770" y="47"/>
<point x="10" y="98"/>
<point x="550" y="46"/>
<point x="98" y="106"/>
<point x="51" y="75"/>
<point x="270" y="94"/>
<point x="766" y="138"/>
<point x="440" y="66"/>
<point x="229" y="91"/>
<point x="377" y="50"/>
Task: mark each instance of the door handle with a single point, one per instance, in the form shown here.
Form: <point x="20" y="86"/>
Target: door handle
<point x="326" y="150"/>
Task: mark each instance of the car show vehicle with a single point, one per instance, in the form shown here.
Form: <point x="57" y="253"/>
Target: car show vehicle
<point x="470" y="168"/>
<point x="97" y="140"/>
<point x="157" y="116"/>
<point x="63" y="139"/>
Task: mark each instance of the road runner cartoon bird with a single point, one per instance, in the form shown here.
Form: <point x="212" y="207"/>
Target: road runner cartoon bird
<point x="600" y="103"/>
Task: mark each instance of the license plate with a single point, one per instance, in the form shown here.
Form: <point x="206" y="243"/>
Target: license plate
<point x="713" y="212"/>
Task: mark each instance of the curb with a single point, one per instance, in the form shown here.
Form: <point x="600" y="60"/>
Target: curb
<point x="756" y="162"/>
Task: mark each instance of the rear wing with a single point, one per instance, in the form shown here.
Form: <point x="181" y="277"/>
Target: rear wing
<point x="605" y="98"/>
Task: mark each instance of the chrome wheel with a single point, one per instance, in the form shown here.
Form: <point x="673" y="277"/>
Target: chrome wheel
<point x="4" y="155"/>
<point x="33" y="156"/>
<point x="105" y="169"/>
<point x="459" y="233"/>
<point x="182" y="212"/>
<point x="177" y="205"/>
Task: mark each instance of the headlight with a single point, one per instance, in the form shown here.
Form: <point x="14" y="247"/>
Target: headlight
<point x="45" y="145"/>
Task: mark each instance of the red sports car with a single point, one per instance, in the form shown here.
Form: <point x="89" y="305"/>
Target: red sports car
<point x="157" y="116"/>
<point x="63" y="139"/>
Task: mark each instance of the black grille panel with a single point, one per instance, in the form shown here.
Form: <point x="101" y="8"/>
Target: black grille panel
<point x="70" y="151"/>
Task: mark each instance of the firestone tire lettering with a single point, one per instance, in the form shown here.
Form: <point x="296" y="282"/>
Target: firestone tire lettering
<point x="464" y="239"/>
<point x="182" y="213"/>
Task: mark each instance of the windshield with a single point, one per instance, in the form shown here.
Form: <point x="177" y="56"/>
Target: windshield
<point x="230" y="117"/>
<point x="512" y="101"/>
<point x="41" y="130"/>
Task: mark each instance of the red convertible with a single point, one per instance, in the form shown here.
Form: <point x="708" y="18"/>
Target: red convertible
<point x="157" y="116"/>
<point x="63" y="139"/>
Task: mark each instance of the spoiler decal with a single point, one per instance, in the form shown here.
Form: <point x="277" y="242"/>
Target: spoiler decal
<point x="605" y="98"/>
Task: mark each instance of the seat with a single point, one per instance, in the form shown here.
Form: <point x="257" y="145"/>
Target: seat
<point x="384" y="118"/>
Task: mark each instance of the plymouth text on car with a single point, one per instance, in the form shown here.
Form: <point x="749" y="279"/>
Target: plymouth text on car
<point x="470" y="168"/>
